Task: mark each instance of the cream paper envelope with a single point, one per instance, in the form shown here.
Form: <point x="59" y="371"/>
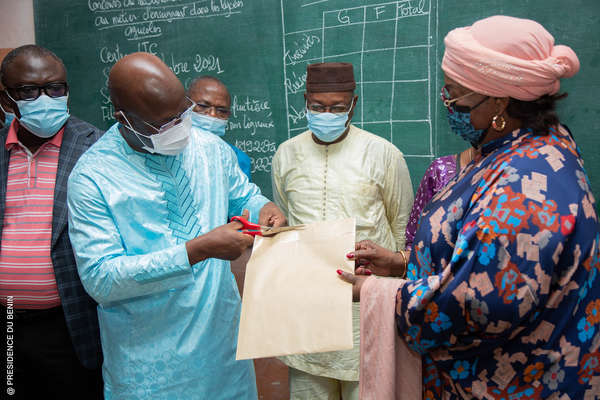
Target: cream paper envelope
<point x="293" y="300"/>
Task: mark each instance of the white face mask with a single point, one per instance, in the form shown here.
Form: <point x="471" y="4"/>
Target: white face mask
<point x="170" y="141"/>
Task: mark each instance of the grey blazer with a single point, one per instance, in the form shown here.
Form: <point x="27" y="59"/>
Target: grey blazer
<point x="79" y="308"/>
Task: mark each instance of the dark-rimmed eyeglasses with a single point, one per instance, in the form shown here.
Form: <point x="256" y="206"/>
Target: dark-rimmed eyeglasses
<point x="221" y="112"/>
<point x="451" y="103"/>
<point x="335" y="109"/>
<point x="32" y="92"/>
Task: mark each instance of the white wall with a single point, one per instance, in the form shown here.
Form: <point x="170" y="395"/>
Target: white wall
<point x="16" y="23"/>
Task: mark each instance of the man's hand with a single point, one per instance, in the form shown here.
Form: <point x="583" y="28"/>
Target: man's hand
<point x="225" y="242"/>
<point x="271" y="215"/>
<point x="372" y="258"/>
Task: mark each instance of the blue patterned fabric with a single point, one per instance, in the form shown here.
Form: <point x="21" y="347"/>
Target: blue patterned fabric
<point x="505" y="297"/>
<point x="169" y="330"/>
<point x="176" y="187"/>
<point x="460" y="124"/>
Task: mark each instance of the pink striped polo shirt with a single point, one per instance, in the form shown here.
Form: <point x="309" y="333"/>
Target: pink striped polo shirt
<point x="26" y="271"/>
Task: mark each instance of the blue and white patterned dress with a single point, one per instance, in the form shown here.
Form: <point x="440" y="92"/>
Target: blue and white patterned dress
<point x="505" y="297"/>
<point x="168" y="329"/>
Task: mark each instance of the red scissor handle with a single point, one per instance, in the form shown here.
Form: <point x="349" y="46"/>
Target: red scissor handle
<point x="248" y="227"/>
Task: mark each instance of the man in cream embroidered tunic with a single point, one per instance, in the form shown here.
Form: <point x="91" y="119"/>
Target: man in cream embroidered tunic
<point x="336" y="170"/>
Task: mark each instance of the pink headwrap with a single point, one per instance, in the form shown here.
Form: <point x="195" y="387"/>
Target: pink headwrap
<point x="503" y="56"/>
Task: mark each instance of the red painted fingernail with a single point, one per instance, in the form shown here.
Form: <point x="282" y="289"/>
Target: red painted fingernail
<point x="350" y="255"/>
<point x="339" y="271"/>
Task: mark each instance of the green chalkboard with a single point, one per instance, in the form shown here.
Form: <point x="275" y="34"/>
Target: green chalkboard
<point x="260" y="49"/>
<point x="238" y="41"/>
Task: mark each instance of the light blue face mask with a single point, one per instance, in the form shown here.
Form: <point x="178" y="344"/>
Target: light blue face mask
<point x="8" y="116"/>
<point x="460" y="123"/>
<point x="327" y="127"/>
<point x="213" y="125"/>
<point x="43" y="116"/>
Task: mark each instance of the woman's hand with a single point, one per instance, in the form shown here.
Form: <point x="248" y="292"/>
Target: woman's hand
<point x="372" y="258"/>
<point x="356" y="281"/>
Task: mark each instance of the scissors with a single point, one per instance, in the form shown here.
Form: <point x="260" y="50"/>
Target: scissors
<point x="252" y="229"/>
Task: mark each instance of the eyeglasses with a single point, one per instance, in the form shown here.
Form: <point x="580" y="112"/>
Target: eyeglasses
<point x="221" y="112"/>
<point x="32" y="92"/>
<point x="336" y="109"/>
<point x="175" y="121"/>
<point x="451" y="103"/>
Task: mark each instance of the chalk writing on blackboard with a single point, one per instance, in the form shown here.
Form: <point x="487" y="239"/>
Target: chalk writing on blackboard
<point x="181" y="65"/>
<point x="389" y="45"/>
<point x="300" y="48"/>
<point x="144" y="19"/>
<point x="250" y="115"/>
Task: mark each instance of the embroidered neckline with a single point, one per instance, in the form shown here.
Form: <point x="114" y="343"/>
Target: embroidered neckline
<point x="175" y="184"/>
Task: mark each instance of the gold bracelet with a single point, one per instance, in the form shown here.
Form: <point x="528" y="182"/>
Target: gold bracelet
<point x="405" y="264"/>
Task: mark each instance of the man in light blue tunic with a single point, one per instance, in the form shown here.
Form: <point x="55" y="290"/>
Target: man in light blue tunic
<point x="212" y="111"/>
<point x="149" y="205"/>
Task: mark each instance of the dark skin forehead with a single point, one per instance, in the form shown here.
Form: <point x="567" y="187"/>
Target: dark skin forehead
<point x="143" y="86"/>
<point x="329" y="98"/>
<point x="210" y="92"/>
<point x="29" y="69"/>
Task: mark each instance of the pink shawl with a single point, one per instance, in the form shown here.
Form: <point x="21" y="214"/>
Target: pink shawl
<point x="388" y="368"/>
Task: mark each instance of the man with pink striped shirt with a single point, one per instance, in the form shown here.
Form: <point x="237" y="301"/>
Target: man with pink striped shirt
<point x="52" y="321"/>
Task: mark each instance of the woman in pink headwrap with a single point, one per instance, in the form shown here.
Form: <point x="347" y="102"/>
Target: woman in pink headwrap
<point x="502" y="297"/>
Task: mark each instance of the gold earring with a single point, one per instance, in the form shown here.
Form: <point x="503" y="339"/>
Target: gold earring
<point x="498" y="126"/>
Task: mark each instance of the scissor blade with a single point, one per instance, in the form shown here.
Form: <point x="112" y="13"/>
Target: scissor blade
<point x="268" y="231"/>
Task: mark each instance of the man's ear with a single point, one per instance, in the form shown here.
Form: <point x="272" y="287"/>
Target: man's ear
<point x="3" y="99"/>
<point x="118" y="115"/>
<point x="352" y="107"/>
<point x="8" y="104"/>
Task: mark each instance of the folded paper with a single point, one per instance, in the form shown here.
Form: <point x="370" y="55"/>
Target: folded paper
<point x="294" y="301"/>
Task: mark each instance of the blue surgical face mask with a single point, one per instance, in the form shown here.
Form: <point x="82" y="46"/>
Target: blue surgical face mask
<point x="43" y="116"/>
<point x="327" y="127"/>
<point x="213" y="125"/>
<point x="460" y="123"/>
<point x="8" y="116"/>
